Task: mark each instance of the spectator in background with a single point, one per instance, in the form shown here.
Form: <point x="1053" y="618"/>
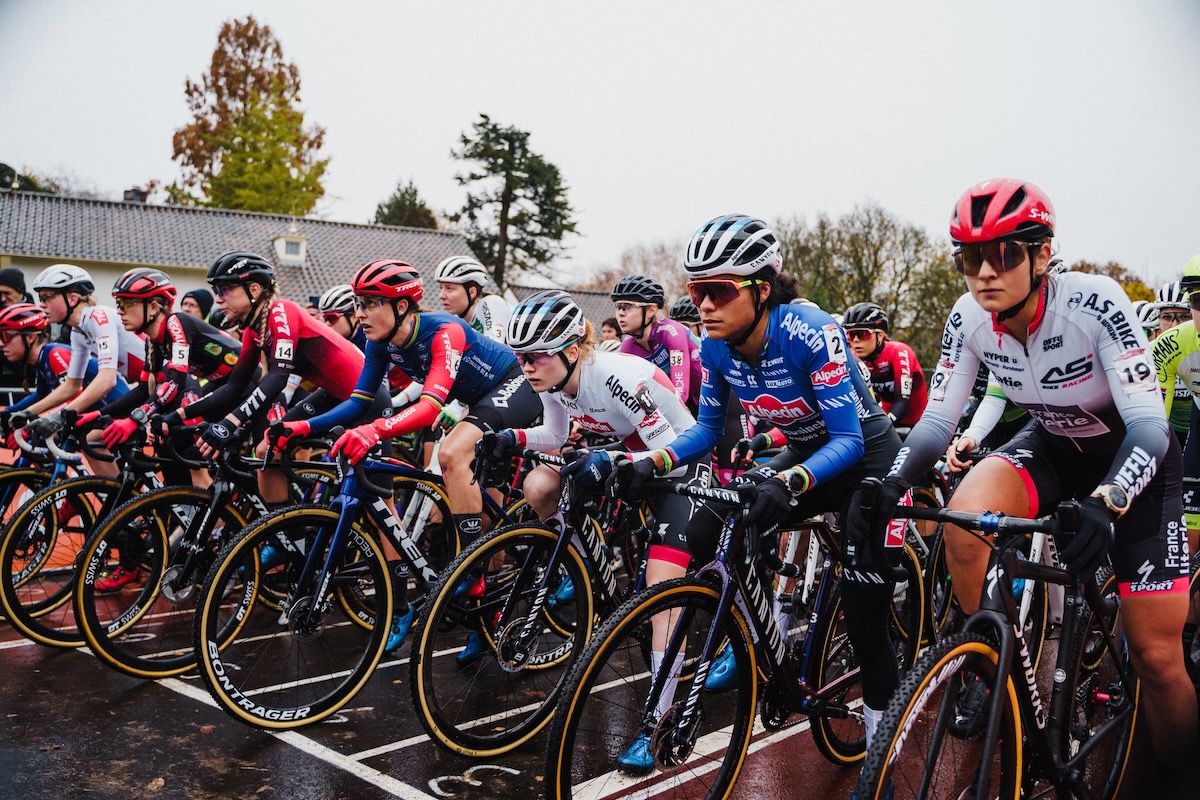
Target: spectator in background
<point x="610" y="330"/>
<point x="12" y="287"/>
<point x="198" y="303"/>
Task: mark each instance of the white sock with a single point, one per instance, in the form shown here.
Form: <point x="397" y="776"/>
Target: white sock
<point x="667" y="698"/>
<point x="871" y="719"/>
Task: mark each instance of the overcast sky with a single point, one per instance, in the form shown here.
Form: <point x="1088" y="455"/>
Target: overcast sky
<point x="661" y="115"/>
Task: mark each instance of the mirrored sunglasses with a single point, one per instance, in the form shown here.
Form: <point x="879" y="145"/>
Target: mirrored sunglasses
<point x="1003" y="256"/>
<point x="722" y="290"/>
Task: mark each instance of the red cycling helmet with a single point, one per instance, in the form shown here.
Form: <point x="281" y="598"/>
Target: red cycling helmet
<point x="390" y="279"/>
<point x="22" y="318"/>
<point x="1002" y="208"/>
<point x="142" y="283"/>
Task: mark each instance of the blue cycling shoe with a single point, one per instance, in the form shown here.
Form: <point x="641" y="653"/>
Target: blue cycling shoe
<point x="271" y="556"/>
<point x="637" y="759"/>
<point x="564" y="594"/>
<point x="470" y="587"/>
<point x="723" y="673"/>
<point x="476" y="649"/>
<point x="401" y="624"/>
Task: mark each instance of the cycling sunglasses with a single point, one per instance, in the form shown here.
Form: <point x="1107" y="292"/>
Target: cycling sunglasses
<point x="8" y="336"/>
<point x="859" y="334"/>
<point x="1003" y="256"/>
<point x="332" y="317"/>
<point x="1193" y="302"/>
<point x="536" y="358"/>
<point x="722" y="290"/>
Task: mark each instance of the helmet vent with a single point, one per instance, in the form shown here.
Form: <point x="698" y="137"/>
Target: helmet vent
<point x="979" y="207"/>
<point x="1014" y="202"/>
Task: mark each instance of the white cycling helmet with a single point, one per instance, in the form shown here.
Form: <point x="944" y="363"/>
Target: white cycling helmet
<point x="1147" y="314"/>
<point x="608" y="345"/>
<point x="339" y="298"/>
<point x="461" y="269"/>
<point x="1170" y="295"/>
<point x="64" y="278"/>
<point x="732" y="245"/>
<point x="545" y="322"/>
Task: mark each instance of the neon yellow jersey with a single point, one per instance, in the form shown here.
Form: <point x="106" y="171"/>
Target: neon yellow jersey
<point x="1177" y="362"/>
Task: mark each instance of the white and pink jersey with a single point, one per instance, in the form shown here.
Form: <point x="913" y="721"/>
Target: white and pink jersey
<point x="620" y="395"/>
<point x="101" y="334"/>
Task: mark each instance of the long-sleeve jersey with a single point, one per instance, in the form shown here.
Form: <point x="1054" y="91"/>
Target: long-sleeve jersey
<point x="1083" y="374"/>
<point x="618" y="395"/>
<point x="101" y="334"/>
<point x="451" y="359"/>
<point x="1177" y="361"/>
<point x="898" y="381"/>
<point x="53" y="364"/>
<point x="293" y="343"/>
<point x="799" y="383"/>
<point x="184" y="346"/>
<point x="672" y="350"/>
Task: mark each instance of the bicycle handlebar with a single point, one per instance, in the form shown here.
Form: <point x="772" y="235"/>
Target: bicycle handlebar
<point x="1065" y="519"/>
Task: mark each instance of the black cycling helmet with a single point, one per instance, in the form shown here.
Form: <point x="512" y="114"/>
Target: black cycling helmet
<point x="684" y="310"/>
<point x="240" y="266"/>
<point x="865" y="315"/>
<point x="639" y="289"/>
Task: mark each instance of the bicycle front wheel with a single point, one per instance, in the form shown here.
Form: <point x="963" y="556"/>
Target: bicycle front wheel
<point x="930" y="743"/>
<point x="145" y="629"/>
<point x="594" y="739"/>
<point x="285" y="669"/>
<point x="481" y="683"/>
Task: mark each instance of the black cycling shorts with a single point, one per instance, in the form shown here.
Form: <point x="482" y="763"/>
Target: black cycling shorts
<point x="512" y="403"/>
<point x="1150" y="554"/>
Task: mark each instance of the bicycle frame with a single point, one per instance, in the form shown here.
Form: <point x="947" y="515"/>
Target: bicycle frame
<point x="742" y="583"/>
<point x="998" y="612"/>
<point x="354" y="496"/>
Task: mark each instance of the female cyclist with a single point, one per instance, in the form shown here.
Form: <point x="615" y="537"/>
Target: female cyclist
<point x="180" y="350"/>
<point x="611" y="394"/>
<point x="665" y="342"/>
<point x="65" y="292"/>
<point x="461" y="280"/>
<point x="451" y="359"/>
<point x="1069" y="350"/>
<point x="337" y="309"/>
<point x="26" y="339"/>
<point x="787" y="364"/>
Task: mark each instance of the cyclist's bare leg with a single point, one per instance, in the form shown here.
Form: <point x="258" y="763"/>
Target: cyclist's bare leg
<point x="992" y="485"/>
<point x="542" y="490"/>
<point x="1153" y="624"/>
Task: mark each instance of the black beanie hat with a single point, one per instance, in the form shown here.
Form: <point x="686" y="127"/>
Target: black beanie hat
<point x="11" y="276"/>
<point x="203" y="298"/>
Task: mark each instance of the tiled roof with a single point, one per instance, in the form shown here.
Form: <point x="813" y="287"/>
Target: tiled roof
<point x="50" y="226"/>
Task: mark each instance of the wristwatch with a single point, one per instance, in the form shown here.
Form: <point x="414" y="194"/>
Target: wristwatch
<point x="1116" y="498"/>
<point x="139" y="416"/>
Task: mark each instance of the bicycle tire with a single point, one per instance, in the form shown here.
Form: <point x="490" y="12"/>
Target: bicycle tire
<point x="39" y="558"/>
<point x="843" y="741"/>
<point x="148" y="632"/>
<point x="914" y="743"/>
<point x="484" y="708"/>
<point x="17" y="485"/>
<point x="283" y="672"/>
<point x="600" y="711"/>
<point x="1191" y="631"/>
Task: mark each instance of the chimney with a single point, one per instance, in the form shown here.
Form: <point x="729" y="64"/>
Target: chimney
<point x="136" y="195"/>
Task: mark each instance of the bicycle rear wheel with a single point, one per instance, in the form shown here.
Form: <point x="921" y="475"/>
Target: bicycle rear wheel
<point x="475" y="692"/>
<point x="39" y="557"/>
<point x="147" y="630"/>
<point x="283" y="670"/>
<point x="930" y="742"/>
<point x="843" y="741"/>
<point x="599" y="715"/>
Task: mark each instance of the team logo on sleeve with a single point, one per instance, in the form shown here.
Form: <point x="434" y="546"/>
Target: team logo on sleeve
<point x="829" y="375"/>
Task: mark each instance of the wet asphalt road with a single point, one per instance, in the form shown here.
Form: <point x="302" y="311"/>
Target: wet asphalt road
<point x="72" y="728"/>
